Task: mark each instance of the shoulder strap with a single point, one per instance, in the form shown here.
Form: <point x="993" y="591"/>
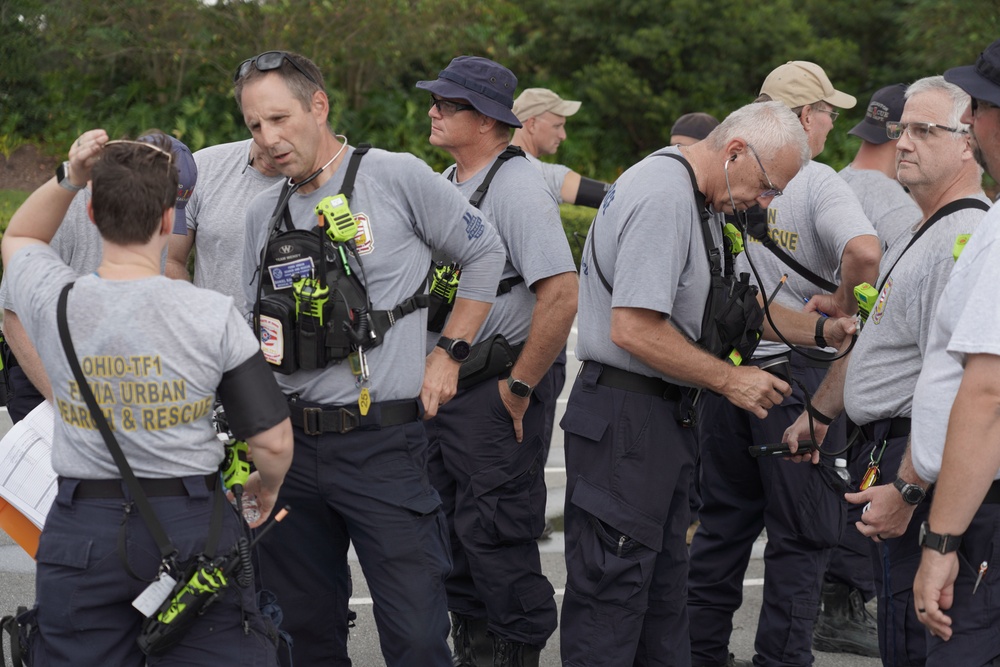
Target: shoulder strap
<point x="714" y="256"/>
<point x="946" y="210"/>
<point x="167" y="550"/>
<point x="757" y="229"/>
<point x="347" y="189"/>
<point x="477" y="197"/>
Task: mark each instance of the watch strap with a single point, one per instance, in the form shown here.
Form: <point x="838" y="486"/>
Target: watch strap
<point x="62" y="177"/>
<point x="817" y="415"/>
<point x="905" y="489"/>
<point x="820" y="341"/>
<point x="524" y="389"/>
<point x="943" y="544"/>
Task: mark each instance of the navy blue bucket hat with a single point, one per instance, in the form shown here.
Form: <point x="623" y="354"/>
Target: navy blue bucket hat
<point x="981" y="80"/>
<point x="487" y="85"/>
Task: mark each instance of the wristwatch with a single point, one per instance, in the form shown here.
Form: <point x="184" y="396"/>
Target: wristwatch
<point x="519" y="388"/>
<point x="457" y="348"/>
<point x="943" y="544"/>
<point x="62" y="177"/>
<point x="912" y="494"/>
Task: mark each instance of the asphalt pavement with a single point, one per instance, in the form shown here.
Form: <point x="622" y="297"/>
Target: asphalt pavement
<point x="17" y="574"/>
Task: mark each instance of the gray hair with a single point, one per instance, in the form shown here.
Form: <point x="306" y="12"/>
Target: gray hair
<point x="959" y="98"/>
<point x="768" y="126"/>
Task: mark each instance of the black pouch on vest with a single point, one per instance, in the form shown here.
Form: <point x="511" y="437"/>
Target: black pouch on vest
<point x="488" y="359"/>
<point x="732" y="320"/>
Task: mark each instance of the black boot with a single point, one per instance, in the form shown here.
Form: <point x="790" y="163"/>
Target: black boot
<point x="473" y="647"/>
<point x="844" y="624"/>
<point x="513" y="654"/>
<point x="732" y="661"/>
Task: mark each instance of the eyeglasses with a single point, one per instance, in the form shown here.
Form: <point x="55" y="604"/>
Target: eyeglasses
<point x="267" y="61"/>
<point x="449" y="108"/>
<point x="894" y="129"/>
<point x="772" y="191"/>
<point x="834" y="115"/>
<point x="981" y="104"/>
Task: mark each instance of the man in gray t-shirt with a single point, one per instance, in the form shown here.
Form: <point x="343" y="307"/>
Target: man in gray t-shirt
<point x="487" y="447"/>
<point x="629" y="444"/>
<point x="230" y="176"/>
<point x="875" y="385"/>
<point x="542" y="114"/>
<point x="844" y="625"/>
<point x="78" y="243"/>
<point x="359" y="473"/>
<point x="819" y="224"/>
<point x="872" y="173"/>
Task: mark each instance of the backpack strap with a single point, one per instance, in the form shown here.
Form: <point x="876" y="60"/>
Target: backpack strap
<point x="713" y="253"/>
<point x="757" y="229"/>
<point x="477" y="197"/>
<point x="946" y="210"/>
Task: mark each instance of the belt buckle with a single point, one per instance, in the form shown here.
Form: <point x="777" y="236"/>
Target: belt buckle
<point x="312" y="421"/>
<point x="348" y="421"/>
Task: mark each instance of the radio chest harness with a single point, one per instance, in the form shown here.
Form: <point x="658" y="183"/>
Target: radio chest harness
<point x="444" y="274"/>
<point x="312" y="308"/>
<point x="730" y="327"/>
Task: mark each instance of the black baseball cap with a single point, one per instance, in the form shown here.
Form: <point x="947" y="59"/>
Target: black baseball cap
<point x="886" y="105"/>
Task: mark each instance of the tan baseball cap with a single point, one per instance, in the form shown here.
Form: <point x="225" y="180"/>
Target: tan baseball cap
<point x="536" y="101"/>
<point x="799" y="82"/>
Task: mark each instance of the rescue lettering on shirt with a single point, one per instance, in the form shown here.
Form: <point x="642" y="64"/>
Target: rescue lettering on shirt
<point x="782" y="237"/>
<point x="153" y="404"/>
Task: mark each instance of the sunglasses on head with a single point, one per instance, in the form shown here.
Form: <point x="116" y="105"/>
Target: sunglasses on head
<point x="267" y="61"/>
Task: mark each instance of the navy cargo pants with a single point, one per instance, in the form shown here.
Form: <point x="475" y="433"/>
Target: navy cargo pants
<point x="84" y="594"/>
<point x="369" y="488"/>
<point x="493" y="492"/>
<point x="628" y="468"/>
<point x="803" y="515"/>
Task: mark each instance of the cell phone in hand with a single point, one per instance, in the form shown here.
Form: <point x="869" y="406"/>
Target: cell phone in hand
<point x="781" y="449"/>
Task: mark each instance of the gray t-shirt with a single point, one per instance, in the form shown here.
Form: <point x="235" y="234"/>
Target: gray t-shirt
<point x="967" y="322"/>
<point x="153" y="350"/>
<point x="403" y="210"/>
<point x="77" y="242"/>
<point x="217" y="214"/>
<point x="650" y="246"/>
<point x="887" y="358"/>
<point x="526" y="216"/>
<point x="554" y="175"/>
<point x="890" y="208"/>
<point x="813" y="222"/>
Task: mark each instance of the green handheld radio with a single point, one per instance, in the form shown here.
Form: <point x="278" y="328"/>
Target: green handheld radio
<point x="730" y="232"/>
<point x="445" y="282"/>
<point x="866" y="296"/>
<point x="340" y="223"/>
<point x="310" y="297"/>
<point x="235" y="467"/>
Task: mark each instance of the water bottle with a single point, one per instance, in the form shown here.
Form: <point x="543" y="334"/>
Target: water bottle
<point x="251" y="508"/>
<point x="840" y="467"/>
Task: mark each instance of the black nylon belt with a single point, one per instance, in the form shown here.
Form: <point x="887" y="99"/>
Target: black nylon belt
<point x="344" y="419"/>
<point x="899" y="427"/>
<point x="617" y="378"/>
<point x="94" y="489"/>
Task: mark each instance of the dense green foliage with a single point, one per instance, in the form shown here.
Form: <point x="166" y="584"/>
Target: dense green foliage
<point x="128" y="65"/>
